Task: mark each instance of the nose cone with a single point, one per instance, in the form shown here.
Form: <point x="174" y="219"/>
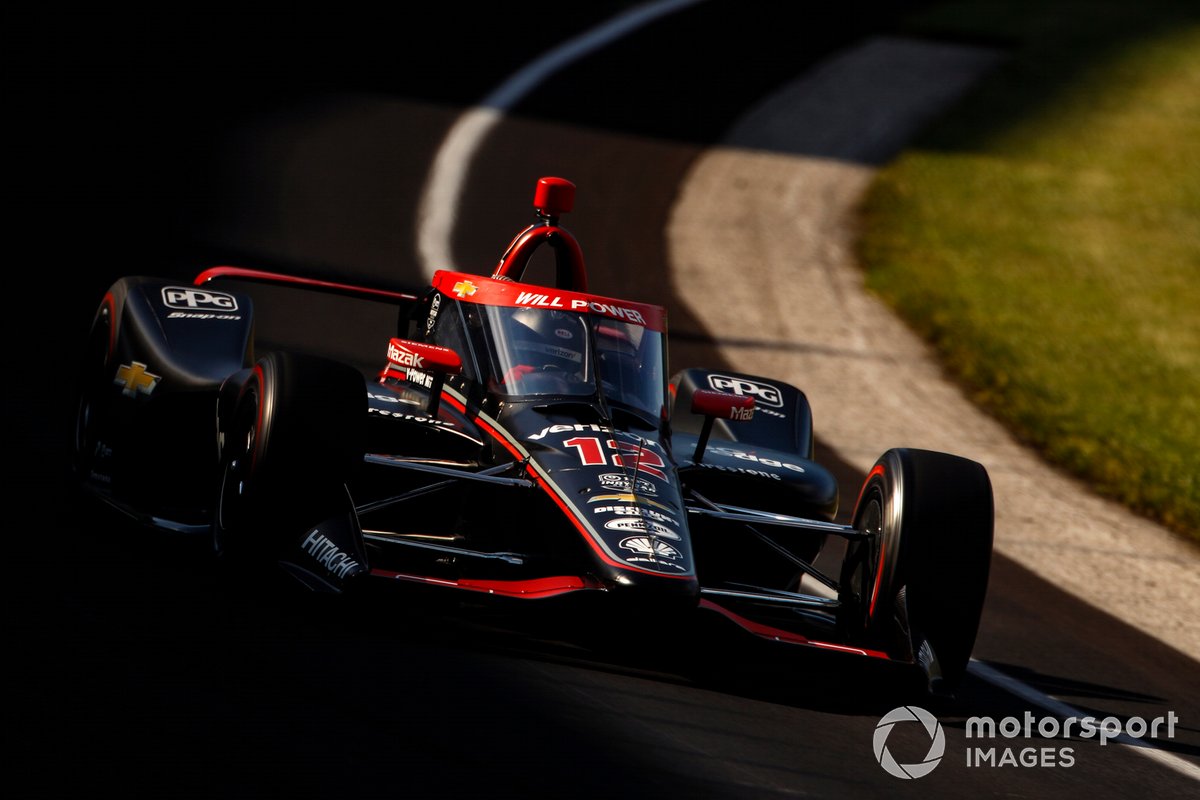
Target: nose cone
<point x="639" y="589"/>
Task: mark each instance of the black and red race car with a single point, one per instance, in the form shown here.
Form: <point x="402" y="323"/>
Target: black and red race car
<point x="524" y="441"/>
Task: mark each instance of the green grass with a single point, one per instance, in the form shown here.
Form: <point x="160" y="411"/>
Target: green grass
<point x="1044" y="235"/>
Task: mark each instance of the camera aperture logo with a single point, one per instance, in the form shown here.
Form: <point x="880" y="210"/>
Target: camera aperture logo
<point x="1055" y="732"/>
<point x="937" y="742"/>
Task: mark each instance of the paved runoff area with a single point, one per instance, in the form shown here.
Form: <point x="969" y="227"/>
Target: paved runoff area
<point x="763" y="206"/>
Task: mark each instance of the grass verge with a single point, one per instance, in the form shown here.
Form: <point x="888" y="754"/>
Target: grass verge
<point x="1045" y="237"/>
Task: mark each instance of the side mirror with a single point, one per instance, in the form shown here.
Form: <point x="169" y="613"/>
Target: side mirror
<point x="718" y="404"/>
<point x="433" y="359"/>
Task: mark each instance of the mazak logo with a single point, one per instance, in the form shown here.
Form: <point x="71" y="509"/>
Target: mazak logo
<point x="186" y="298"/>
<point x="403" y="357"/>
<point x="763" y="393"/>
<point x="937" y="742"/>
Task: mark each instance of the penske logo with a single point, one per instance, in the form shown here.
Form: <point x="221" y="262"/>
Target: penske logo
<point x="634" y="524"/>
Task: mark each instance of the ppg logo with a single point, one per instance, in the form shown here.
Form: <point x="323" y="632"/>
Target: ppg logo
<point x="763" y="393"/>
<point x="186" y="298"/>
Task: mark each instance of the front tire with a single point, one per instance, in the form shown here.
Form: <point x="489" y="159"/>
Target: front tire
<point x="94" y="378"/>
<point x="915" y="586"/>
<point x="292" y="440"/>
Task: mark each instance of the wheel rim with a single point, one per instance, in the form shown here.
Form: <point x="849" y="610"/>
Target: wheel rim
<point x="85" y="450"/>
<point x="235" y="469"/>
<point x="86" y="414"/>
<point x="872" y="525"/>
<point x="861" y="569"/>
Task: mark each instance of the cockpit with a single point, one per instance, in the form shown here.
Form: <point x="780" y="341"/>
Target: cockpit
<point x="532" y="342"/>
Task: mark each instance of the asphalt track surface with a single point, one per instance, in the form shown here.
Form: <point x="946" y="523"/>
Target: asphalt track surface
<point x="163" y="145"/>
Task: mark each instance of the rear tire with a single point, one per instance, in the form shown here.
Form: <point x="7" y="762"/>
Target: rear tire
<point x="293" y="439"/>
<point x="915" y="587"/>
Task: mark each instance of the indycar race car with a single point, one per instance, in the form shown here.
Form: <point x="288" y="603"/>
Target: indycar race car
<point x="526" y="442"/>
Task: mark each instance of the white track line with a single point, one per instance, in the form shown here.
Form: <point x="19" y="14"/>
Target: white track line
<point x="438" y="207"/>
<point x="438" y="210"/>
<point x="1062" y="710"/>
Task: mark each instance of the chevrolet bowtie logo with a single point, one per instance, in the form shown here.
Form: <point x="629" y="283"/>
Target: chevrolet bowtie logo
<point x="465" y="288"/>
<point x="134" y="379"/>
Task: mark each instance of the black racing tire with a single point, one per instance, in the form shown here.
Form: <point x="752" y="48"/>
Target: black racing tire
<point x="91" y="382"/>
<point x="921" y="574"/>
<point x="291" y="442"/>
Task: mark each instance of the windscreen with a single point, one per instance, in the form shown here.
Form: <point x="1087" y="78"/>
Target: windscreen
<point x="550" y="352"/>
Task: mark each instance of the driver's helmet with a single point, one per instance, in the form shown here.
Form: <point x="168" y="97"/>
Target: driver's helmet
<point x="550" y="340"/>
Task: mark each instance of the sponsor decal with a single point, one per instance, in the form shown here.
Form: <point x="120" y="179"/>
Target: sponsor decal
<point x="500" y="292"/>
<point x="403" y="357"/>
<point x="764" y="394"/>
<point x="739" y="470"/>
<point x="637" y="511"/>
<point x="134" y="379"/>
<point x="409" y="355"/>
<point x="102" y="453"/>
<point x="189" y="298"/>
<point x="580" y="304"/>
<point x="626" y="483"/>
<point x="434" y="306"/>
<point x="766" y="462"/>
<point x="554" y="350"/>
<point x="337" y="562"/>
<point x="636" y="525"/>
<point x="199" y="315"/>
<point x="741" y="414"/>
<point x="563" y="333"/>
<point x="630" y="498"/>
<point x="391" y="398"/>
<point x="580" y="426"/>
<point x="650" y="549"/>
<point x="543" y="300"/>
<point x="384" y="412"/>
<point x="419" y="378"/>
